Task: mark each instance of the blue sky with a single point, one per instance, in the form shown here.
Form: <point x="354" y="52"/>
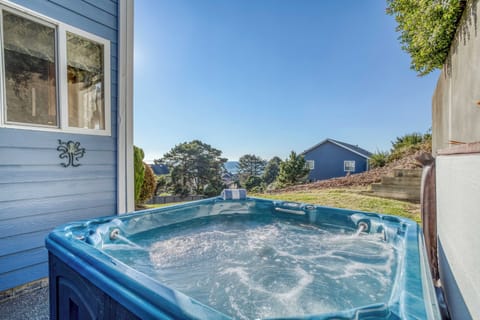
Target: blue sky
<point x="267" y="77"/>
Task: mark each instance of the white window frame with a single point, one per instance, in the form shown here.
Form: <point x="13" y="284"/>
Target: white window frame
<point x="310" y="164"/>
<point x="349" y="164"/>
<point x="61" y="30"/>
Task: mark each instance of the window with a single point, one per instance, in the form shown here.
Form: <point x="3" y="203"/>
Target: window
<point x="349" y="165"/>
<point x="85" y="83"/>
<point x="54" y="77"/>
<point x="30" y="71"/>
<point x="310" y="164"/>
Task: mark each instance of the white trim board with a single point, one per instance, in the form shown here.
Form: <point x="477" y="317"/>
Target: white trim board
<point x="61" y="28"/>
<point x="125" y="180"/>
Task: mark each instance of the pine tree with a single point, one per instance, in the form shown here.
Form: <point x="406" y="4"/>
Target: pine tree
<point x="271" y="170"/>
<point x="292" y="170"/>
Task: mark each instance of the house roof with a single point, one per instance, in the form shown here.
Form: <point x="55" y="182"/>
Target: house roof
<point x="159" y="169"/>
<point x="353" y="148"/>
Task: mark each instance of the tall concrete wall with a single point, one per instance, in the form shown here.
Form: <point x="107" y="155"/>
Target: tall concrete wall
<point x="456" y="119"/>
<point x="456" y="101"/>
<point x="458" y="222"/>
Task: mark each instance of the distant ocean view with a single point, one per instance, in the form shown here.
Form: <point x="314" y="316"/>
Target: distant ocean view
<point x="231" y="166"/>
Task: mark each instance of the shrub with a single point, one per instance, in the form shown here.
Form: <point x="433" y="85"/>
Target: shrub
<point x="213" y="189"/>
<point x="258" y="189"/>
<point x="252" y="182"/>
<point x="407" y="141"/>
<point x="139" y="171"/>
<point x="409" y="144"/>
<point x="378" y="159"/>
<point x="149" y="184"/>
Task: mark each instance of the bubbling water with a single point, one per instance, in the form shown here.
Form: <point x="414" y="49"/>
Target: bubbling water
<point x="267" y="267"/>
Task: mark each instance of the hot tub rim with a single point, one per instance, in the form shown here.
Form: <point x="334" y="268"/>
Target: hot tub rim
<point x="92" y="263"/>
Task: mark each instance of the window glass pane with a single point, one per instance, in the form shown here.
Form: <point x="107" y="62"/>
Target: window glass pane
<point x="310" y="164"/>
<point x="86" y="107"/>
<point x="30" y="84"/>
<point x="349" y="165"/>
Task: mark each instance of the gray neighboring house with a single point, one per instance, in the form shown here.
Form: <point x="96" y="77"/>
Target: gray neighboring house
<point x="159" y="169"/>
<point x="332" y="158"/>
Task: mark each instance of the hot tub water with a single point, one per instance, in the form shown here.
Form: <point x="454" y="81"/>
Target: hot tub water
<point x="244" y="259"/>
<point x="261" y="266"/>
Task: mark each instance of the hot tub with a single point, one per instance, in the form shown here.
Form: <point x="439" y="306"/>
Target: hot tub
<point x="242" y="259"/>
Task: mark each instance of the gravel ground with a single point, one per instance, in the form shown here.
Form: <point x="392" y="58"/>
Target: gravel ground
<point x="31" y="305"/>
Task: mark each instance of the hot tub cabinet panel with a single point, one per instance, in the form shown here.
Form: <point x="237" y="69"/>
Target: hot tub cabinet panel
<point x="74" y="297"/>
<point x="90" y="280"/>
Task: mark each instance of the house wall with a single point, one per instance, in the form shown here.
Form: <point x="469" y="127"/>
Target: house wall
<point x="329" y="160"/>
<point x="36" y="192"/>
<point x="456" y="101"/>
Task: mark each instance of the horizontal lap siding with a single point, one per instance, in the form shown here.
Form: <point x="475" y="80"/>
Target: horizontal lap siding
<point x="24" y="275"/>
<point x="42" y="206"/>
<point x="329" y="161"/>
<point x="36" y="156"/>
<point x="37" y="193"/>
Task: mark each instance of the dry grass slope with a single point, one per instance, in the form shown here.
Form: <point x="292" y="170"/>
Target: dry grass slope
<point x="407" y="161"/>
<point x="352" y="192"/>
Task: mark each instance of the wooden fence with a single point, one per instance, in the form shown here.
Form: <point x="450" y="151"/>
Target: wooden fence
<point x="172" y="199"/>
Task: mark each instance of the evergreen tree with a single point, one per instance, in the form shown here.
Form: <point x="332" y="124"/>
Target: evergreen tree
<point x="251" y="165"/>
<point x="271" y="170"/>
<point x="292" y="170"/>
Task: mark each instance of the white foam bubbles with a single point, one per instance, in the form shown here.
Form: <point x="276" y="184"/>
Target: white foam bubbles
<point x="272" y="268"/>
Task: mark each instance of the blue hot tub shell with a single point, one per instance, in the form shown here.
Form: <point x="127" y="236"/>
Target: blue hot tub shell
<point x="87" y="283"/>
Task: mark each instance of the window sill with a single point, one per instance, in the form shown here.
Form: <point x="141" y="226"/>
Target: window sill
<point x="58" y="130"/>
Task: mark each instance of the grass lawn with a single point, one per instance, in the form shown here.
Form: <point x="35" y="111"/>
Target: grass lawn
<point x="159" y="205"/>
<point x="350" y="198"/>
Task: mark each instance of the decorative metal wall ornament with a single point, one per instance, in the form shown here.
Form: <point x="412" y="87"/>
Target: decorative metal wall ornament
<point x="71" y="151"/>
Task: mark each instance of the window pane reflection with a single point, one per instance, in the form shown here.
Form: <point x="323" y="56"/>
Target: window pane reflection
<point x="30" y="73"/>
<point x="86" y="107"/>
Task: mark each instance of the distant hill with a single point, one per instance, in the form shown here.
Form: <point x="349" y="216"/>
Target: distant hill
<point x="231" y="166"/>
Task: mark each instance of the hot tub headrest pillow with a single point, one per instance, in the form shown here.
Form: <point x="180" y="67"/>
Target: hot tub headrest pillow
<point x="234" y="194"/>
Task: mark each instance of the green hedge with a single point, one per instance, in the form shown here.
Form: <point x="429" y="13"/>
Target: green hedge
<point x="139" y="171"/>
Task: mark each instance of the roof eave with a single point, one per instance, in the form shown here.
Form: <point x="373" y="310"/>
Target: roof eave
<point x="337" y="144"/>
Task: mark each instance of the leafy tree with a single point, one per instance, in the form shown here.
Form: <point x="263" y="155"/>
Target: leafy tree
<point x="292" y="170"/>
<point x="163" y="183"/>
<point x="271" y="170"/>
<point x="194" y="166"/>
<point x="139" y="171"/>
<point x="251" y="165"/>
<point x="253" y="182"/>
<point x="427" y="28"/>
<point x="148" y="187"/>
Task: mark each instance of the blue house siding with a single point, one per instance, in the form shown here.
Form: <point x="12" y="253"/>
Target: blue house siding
<point x="329" y="161"/>
<point x="36" y="192"/>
